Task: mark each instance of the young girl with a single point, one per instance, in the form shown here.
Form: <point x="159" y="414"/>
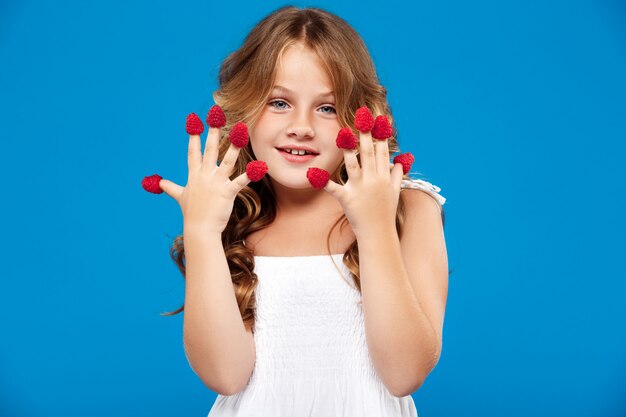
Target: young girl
<point x="319" y="320"/>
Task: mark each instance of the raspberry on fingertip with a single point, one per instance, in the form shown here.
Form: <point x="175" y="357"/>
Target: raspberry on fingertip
<point x="151" y="184"/>
<point x="382" y="128"/>
<point x="194" y="125"/>
<point x="215" y="117"/>
<point x="406" y="159"/>
<point x="318" y="177"/>
<point x="256" y="170"/>
<point x="364" y="121"/>
<point x="238" y="135"/>
<point x="346" y="139"/>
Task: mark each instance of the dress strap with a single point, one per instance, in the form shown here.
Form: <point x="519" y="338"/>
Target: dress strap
<point x="429" y="188"/>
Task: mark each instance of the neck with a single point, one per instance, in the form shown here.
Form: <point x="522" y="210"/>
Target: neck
<point x="302" y="203"/>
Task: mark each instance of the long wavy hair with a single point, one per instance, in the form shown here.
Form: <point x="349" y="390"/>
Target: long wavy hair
<point x="242" y="95"/>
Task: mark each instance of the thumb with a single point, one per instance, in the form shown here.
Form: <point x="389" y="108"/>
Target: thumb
<point x="171" y="189"/>
<point x="240" y="181"/>
<point x="333" y="189"/>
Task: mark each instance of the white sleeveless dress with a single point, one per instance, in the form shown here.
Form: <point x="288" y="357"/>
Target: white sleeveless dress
<point x="311" y="353"/>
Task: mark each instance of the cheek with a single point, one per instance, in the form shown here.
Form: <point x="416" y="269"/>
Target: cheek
<point x="259" y="152"/>
<point x="336" y="159"/>
<point x="253" y="143"/>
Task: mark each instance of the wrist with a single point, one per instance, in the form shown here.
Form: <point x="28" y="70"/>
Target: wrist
<point x="201" y="231"/>
<point x="381" y="245"/>
<point x="376" y="232"/>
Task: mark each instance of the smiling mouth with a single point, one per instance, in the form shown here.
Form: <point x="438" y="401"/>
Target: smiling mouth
<point x="296" y="159"/>
<point x="307" y="153"/>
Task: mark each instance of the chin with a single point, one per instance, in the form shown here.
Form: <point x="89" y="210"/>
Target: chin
<point x="295" y="178"/>
<point x="293" y="183"/>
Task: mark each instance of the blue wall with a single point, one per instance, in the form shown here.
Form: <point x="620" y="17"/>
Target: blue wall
<point x="515" y="109"/>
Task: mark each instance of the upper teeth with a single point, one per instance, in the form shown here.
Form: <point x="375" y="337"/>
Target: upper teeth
<point x="297" y="152"/>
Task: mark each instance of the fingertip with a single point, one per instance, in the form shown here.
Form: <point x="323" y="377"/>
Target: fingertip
<point x="193" y="125"/>
<point x="256" y="170"/>
<point x="152" y="184"/>
<point x="364" y="120"/>
<point x="346" y="139"/>
<point x="215" y="117"/>
<point x="318" y="177"/>
<point x="239" y="135"/>
<point x="382" y="129"/>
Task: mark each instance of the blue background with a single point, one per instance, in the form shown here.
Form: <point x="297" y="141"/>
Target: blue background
<point x="515" y="109"/>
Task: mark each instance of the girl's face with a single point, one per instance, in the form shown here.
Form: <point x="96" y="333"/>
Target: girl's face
<point x="300" y="112"/>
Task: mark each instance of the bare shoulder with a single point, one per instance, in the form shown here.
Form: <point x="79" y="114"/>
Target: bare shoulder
<point x="417" y="189"/>
<point x="421" y="204"/>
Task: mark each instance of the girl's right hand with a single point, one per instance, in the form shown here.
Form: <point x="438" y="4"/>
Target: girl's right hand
<point x="208" y="198"/>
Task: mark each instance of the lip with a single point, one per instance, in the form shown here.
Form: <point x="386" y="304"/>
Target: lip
<point x="299" y="148"/>
<point x="295" y="158"/>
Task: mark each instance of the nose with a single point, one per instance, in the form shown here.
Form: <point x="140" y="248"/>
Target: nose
<point x="301" y="125"/>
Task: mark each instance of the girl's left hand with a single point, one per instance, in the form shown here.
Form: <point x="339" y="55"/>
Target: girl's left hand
<point x="370" y="196"/>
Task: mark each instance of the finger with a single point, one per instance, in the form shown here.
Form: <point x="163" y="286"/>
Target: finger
<point x="211" y="147"/>
<point x="352" y="163"/>
<point x="227" y="164"/>
<point x="171" y="189"/>
<point x="334" y="189"/>
<point x="367" y="152"/>
<point x="382" y="157"/>
<point x="216" y="120"/>
<point x="396" y="176"/>
<point x="194" y="156"/>
<point x="194" y="127"/>
<point x="239" y="182"/>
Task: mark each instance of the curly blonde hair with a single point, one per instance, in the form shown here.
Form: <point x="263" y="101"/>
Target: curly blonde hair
<point x="242" y="94"/>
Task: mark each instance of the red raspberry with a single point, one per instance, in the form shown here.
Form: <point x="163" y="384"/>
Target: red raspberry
<point x="194" y="125"/>
<point x="256" y="170"/>
<point x="406" y="159"/>
<point x="346" y="139"/>
<point x="382" y="129"/>
<point x="364" y="121"/>
<point x="151" y="184"/>
<point x="318" y="177"/>
<point x="238" y="135"/>
<point x="215" y="117"/>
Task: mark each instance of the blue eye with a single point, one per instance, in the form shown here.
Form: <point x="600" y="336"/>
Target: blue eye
<point x="271" y="103"/>
<point x="275" y="104"/>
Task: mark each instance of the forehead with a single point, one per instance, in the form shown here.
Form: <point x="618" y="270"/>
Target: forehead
<point x="302" y="69"/>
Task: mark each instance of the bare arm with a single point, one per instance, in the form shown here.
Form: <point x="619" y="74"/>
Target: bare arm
<point x="218" y="347"/>
<point x="404" y="295"/>
<point x="400" y="337"/>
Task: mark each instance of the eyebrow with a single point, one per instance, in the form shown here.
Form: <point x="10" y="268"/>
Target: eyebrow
<point x="286" y="90"/>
